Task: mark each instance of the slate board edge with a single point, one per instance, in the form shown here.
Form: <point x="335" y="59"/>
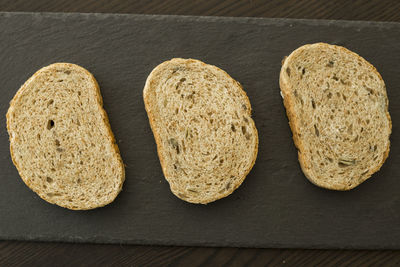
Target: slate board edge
<point x="247" y="20"/>
<point x="162" y="242"/>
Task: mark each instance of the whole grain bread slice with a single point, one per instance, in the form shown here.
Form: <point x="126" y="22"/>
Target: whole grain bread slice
<point x="201" y="119"/>
<point x="337" y="107"/>
<point x="61" y="141"/>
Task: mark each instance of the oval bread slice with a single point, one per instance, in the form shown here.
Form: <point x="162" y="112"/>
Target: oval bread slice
<point x="61" y="141"/>
<point x="201" y="119"/>
<point x="337" y="107"/>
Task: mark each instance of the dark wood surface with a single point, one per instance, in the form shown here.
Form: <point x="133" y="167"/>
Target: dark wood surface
<point x="61" y="254"/>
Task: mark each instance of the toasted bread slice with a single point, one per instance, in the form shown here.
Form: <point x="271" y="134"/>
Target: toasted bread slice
<point x="61" y="141"/>
<point x="337" y="107"/>
<point x="201" y="119"/>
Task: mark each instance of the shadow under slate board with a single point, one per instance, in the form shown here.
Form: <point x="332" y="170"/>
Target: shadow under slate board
<point x="276" y="206"/>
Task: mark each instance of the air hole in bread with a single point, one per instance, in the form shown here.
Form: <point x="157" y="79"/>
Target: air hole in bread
<point x="60" y="81"/>
<point x="288" y="71"/>
<point x="50" y="124"/>
<point x="370" y="91"/>
<point x="78" y="181"/>
<point x="350" y="129"/>
<point x="228" y="185"/>
<point x="316" y="130"/>
<point x="38" y="136"/>
<point x="180" y="82"/>
<point x="341" y="165"/>
<point x="79" y="93"/>
<point x="174" y="145"/>
<point x="51" y="101"/>
<point x="244" y="129"/>
<point x="67" y="72"/>
<point x="313" y="103"/>
<point x="57" y="142"/>
<point x="335" y="78"/>
<point x="49" y="180"/>
<point x="330" y="64"/>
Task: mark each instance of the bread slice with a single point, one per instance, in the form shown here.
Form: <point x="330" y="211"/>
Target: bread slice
<point x="61" y="141"/>
<point x="201" y="119"/>
<point x="337" y="107"/>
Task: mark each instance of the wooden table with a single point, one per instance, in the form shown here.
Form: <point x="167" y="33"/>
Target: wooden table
<point x="56" y="254"/>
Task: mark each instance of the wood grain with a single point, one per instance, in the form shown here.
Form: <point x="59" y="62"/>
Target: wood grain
<point x="61" y="254"/>
<point x="384" y="10"/>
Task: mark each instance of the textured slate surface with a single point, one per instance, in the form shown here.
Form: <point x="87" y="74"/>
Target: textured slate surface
<point x="275" y="207"/>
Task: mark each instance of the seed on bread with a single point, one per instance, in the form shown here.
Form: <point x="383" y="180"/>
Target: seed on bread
<point x="337" y="107"/>
<point x="201" y="119"/>
<point x="61" y="141"/>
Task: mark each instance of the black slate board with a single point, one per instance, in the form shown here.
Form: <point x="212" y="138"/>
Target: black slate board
<point x="275" y="207"/>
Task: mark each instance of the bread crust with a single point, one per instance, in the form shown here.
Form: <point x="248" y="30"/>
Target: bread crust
<point x="53" y="68"/>
<point x="294" y="123"/>
<point x="151" y="116"/>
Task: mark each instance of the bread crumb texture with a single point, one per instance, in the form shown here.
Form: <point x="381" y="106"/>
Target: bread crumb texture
<point x="61" y="141"/>
<point x="201" y="119"/>
<point x="337" y="107"/>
